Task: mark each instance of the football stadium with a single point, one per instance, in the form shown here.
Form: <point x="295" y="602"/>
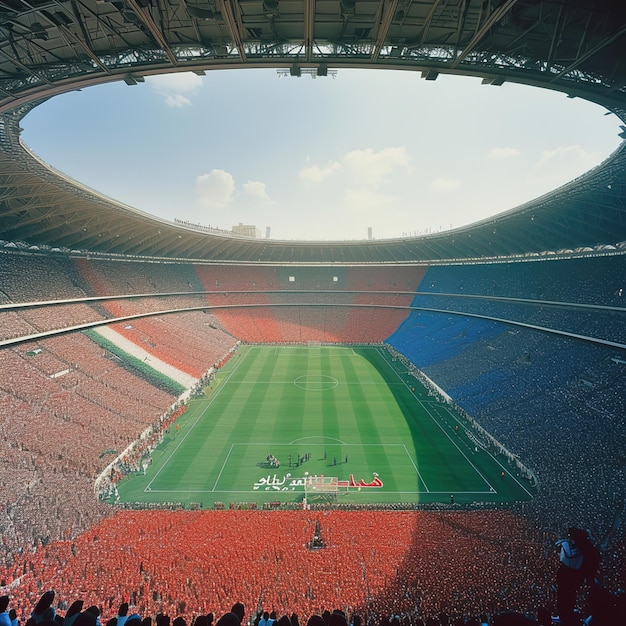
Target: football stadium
<point x="199" y="424"/>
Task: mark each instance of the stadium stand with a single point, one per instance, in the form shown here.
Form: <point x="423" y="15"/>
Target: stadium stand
<point x="463" y="561"/>
<point x="67" y="403"/>
<point x="594" y="280"/>
<point x="553" y="400"/>
<point x="542" y="395"/>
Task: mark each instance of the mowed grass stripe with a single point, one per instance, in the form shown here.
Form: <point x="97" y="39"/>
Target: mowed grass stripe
<point x="364" y="423"/>
<point x="442" y="465"/>
<point x="397" y="404"/>
<point x="257" y="411"/>
<point x="286" y="403"/>
<point x="164" y="457"/>
<point x="197" y="461"/>
<point x="330" y="402"/>
<point x="192" y="464"/>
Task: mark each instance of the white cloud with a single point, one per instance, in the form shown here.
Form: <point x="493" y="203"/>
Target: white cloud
<point x="444" y="185"/>
<point x="368" y="167"/>
<point x="363" y="187"/>
<point x="558" y="166"/>
<point x="502" y="153"/>
<point x="363" y="203"/>
<point x="373" y="169"/>
<point x="315" y="174"/>
<point x="187" y="82"/>
<point x="171" y="87"/>
<point x="176" y="101"/>
<point x="215" y="190"/>
<point x="256" y="189"/>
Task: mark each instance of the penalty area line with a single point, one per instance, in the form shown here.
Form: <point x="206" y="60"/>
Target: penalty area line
<point x="217" y="480"/>
<point x="192" y="425"/>
<point x="416" y="470"/>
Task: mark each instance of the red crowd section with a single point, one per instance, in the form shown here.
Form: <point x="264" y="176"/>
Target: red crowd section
<point x="67" y="405"/>
<point x="311" y="304"/>
<point x="249" y="303"/>
<point x="188" y="341"/>
<point x="66" y="408"/>
<point x="373" y="562"/>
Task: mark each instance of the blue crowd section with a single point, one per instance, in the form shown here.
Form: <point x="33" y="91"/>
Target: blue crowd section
<point x="589" y="302"/>
<point x="554" y="400"/>
<point x="596" y="323"/>
<point x="429" y="338"/>
<point x="599" y="280"/>
<point x="479" y="360"/>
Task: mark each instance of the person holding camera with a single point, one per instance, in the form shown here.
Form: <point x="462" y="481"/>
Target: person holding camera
<point x="579" y="562"/>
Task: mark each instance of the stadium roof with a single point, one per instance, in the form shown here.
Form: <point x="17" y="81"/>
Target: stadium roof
<point x="54" y="46"/>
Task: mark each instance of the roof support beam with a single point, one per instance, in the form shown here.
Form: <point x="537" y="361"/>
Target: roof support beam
<point x="495" y="16"/>
<point x="556" y="36"/>
<point x="229" y="13"/>
<point x="428" y="20"/>
<point x="145" y="16"/>
<point x="309" y="28"/>
<point x="86" y="49"/>
<point x="388" y="10"/>
<point x="86" y="13"/>
<point x="581" y="59"/>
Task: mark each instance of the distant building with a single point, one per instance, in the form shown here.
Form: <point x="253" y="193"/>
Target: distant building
<point x="247" y="230"/>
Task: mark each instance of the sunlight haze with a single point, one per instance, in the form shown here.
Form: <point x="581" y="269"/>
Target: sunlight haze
<point x="321" y="158"/>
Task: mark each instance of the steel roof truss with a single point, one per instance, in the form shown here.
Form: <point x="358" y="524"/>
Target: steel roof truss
<point x="491" y="19"/>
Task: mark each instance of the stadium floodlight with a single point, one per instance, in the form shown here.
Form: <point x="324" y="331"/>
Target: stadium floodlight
<point x="496" y="81"/>
<point x="347" y="7"/>
<point x="201" y="13"/>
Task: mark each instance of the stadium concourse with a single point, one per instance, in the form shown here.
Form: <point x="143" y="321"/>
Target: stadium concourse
<point x="534" y="351"/>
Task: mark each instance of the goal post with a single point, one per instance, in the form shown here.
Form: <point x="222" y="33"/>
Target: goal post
<point x="326" y="487"/>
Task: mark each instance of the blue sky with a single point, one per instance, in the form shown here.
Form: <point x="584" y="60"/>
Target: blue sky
<point x="321" y="158"/>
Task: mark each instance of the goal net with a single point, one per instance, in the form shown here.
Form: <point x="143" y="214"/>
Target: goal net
<point x="325" y="487"/>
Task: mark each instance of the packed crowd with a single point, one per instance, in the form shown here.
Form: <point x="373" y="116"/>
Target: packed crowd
<point x="556" y="402"/>
<point x="67" y="408"/>
<point x="412" y="563"/>
<point x="31" y="278"/>
<point x="593" y="281"/>
<point x="590" y="280"/>
<point x="287" y="321"/>
<point x="280" y="300"/>
<point x="338" y="315"/>
<point x="45" y="614"/>
<point x="289" y="278"/>
<point x="597" y="323"/>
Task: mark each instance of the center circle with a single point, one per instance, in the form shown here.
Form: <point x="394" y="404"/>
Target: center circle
<point x="316" y="382"/>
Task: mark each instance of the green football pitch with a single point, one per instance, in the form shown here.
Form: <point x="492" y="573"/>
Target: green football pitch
<point x="352" y="415"/>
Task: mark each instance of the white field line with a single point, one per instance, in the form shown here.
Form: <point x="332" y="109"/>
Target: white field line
<point x="187" y="433"/>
